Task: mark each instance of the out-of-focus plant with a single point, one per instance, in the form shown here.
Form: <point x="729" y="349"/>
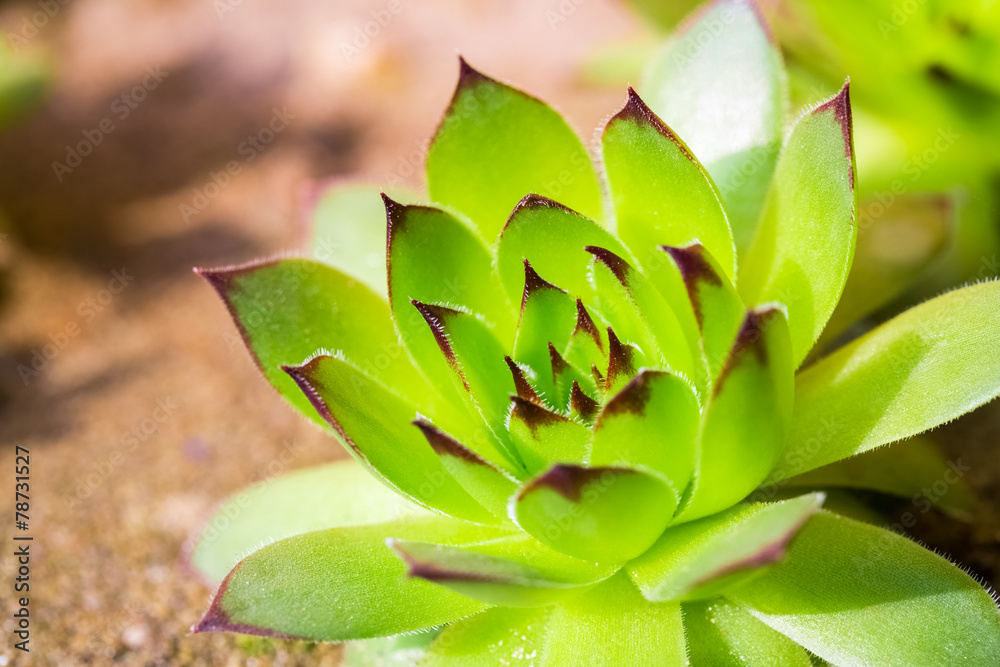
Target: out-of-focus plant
<point x="24" y="80"/>
<point x="565" y="417"/>
<point x="926" y="93"/>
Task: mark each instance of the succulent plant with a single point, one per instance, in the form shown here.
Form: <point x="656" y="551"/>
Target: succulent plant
<point x="567" y="389"/>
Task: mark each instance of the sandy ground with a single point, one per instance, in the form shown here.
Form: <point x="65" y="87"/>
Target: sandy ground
<point x="96" y="279"/>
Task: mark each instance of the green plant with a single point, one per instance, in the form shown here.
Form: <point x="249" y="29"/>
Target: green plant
<point x="575" y="429"/>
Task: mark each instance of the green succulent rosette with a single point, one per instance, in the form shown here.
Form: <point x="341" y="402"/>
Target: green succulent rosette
<point x="574" y="390"/>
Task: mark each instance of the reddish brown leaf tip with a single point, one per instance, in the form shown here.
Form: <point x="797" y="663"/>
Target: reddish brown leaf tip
<point x="637" y="111"/>
<point x="633" y="397"/>
<point x="694" y="270"/>
<point x="598" y="378"/>
<point x="618" y="266"/>
<point x="468" y="75"/>
<point x="301" y="375"/>
<point x="750" y="338"/>
<point x="534" y="283"/>
<point x="416" y="568"/>
<point x="840" y="105"/>
<point x="533" y="415"/>
<point x="559" y="365"/>
<point x="585" y="324"/>
<point x="445" y="445"/>
<point x="582" y="404"/>
<point x="216" y="619"/>
<point x="436" y="318"/>
<point x="621" y="361"/>
<point x="566" y="480"/>
<point x="535" y="201"/>
<point x="521" y="385"/>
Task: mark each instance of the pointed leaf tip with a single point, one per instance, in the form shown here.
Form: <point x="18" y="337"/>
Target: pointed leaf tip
<point x="521" y="385"/>
<point x="566" y="480"/>
<point x="637" y="111"/>
<point x="534" y="283"/>
<point x="444" y="445"/>
<point x="750" y="338"/>
<point x="216" y="619"/>
<point x="840" y="105"/>
<point x="585" y="323"/>
<point x="615" y="264"/>
<point x="468" y="75"/>
<point x="300" y="375"/>
<point x="534" y="201"/>
<point x="534" y="416"/>
<point x="632" y="399"/>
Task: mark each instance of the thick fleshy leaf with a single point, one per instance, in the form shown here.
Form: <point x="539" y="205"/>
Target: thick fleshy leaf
<point x="498" y="636"/>
<point x="433" y="257"/>
<point x="720" y="84"/>
<point x="721" y="634"/>
<point x="603" y="514"/>
<point x="923" y="368"/>
<point x="717" y="307"/>
<point x="496" y="145"/>
<point x="326" y="310"/>
<point x="327" y="496"/>
<point x="548" y="316"/>
<point x="484" y="481"/>
<point x="613" y="625"/>
<point x="856" y="595"/>
<point x="513" y="572"/>
<point x="587" y="346"/>
<point x="897" y="241"/>
<point x="747" y="417"/>
<point x="661" y="193"/>
<point x="475" y="359"/>
<point x="346" y="227"/>
<point x="803" y="249"/>
<point x="652" y="423"/>
<point x="914" y="469"/>
<point x="340" y="584"/>
<point x="564" y="376"/>
<point x="398" y="651"/>
<point x="637" y="311"/>
<point x="542" y="436"/>
<point x="702" y="558"/>
<point x="375" y="426"/>
<point x="624" y="359"/>
<point x="552" y="238"/>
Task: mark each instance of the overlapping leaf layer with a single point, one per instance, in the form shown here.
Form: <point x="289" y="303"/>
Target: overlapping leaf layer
<point x="576" y="379"/>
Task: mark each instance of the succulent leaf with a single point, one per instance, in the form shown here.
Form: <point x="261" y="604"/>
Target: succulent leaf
<point x="652" y="423"/>
<point x="881" y="599"/>
<point x="746" y="419"/>
<point x="728" y="101"/>
<point x="375" y="426"/>
<point x="328" y="496"/>
<point x="515" y="571"/>
<point x="606" y="514"/>
<point x="875" y="390"/>
<point x="327" y="310"/>
<point x="661" y="193"/>
<point x="496" y="144"/>
<point x="805" y="243"/>
<point x="483" y="480"/>
<point x="491" y="638"/>
<point x="347" y="224"/>
<point x="721" y="634"/>
<point x="346" y="585"/>
<point x="714" y="301"/>
<point x="612" y="624"/>
<point x="637" y="312"/>
<point x="702" y="558"/>
<point x="552" y="238"/>
<point x="542" y="436"/>
<point x="433" y="257"/>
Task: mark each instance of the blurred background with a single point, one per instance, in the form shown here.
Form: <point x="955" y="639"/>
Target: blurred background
<point x="141" y="139"/>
